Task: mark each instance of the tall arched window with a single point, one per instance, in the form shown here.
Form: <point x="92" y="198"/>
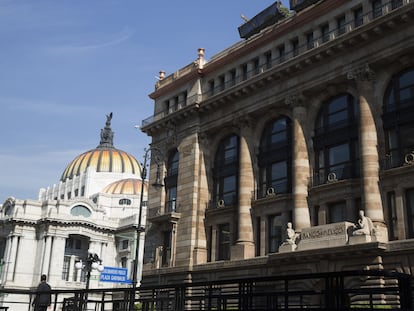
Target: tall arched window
<point x="275" y="157"/>
<point x="336" y="140"/>
<point x="398" y="119"/>
<point x="171" y="181"/>
<point x="225" y="173"/>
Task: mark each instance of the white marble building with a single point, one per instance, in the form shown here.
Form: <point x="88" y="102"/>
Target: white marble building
<point x="94" y="206"/>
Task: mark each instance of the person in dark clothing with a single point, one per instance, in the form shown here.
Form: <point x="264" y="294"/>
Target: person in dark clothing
<point x="43" y="297"/>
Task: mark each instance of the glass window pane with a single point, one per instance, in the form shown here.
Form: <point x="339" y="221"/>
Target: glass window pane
<point x="407" y="79"/>
<point x="337" y="212"/>
<point x="407" y="94"/>
<point x="337" y="104"/>
<point x="339" y="154"/>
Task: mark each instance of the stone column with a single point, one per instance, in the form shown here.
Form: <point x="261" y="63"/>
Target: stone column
<point x="300" y="166"/>
<point x="11" y="257"/>
<point x="244" y="247"/>
<point x="371" y="198"/>
<point x="47" y="255"/>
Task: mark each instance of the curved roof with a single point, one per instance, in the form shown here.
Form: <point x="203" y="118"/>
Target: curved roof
<point x="125" y="186"/>
<point x="104" y="158"/>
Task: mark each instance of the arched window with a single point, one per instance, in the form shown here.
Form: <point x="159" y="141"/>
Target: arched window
<point x="275" y="158"/>
<point x="171" y="181"/>
<point x="398" y="119"/>
<point x="336" y="140"/>
<point x="225" y="173"/>
<point x="80" y="210"/>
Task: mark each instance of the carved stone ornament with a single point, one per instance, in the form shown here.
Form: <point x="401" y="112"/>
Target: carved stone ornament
<point x="243" y="121"/>
<point x="362" y="74"/>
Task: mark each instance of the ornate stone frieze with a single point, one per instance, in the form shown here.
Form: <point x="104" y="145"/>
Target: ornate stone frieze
<point x="362" y="74"/>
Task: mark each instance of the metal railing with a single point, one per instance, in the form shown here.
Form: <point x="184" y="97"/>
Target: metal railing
<point x="345" y="290"/>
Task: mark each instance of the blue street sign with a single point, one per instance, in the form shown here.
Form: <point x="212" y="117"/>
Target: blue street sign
<point x="115" y="275"/>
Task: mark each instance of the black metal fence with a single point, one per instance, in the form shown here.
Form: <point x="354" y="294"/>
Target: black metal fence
<point x="346" y="290"/>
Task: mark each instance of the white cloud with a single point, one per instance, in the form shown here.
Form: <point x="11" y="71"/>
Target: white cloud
<point x="111" y="40"/>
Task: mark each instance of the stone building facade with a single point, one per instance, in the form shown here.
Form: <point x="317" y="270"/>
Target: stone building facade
<point x="308" y="121"/>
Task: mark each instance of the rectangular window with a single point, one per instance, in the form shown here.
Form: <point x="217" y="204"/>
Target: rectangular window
<point x="309" y="40"/>
<point x="340" y="23"/>
<point x="211" y="87"/>
<point x="295" y="46"/>
<point x="124" y="244"/>
<point x="176" y="101"/>
<point x="358" y="17"/>
<point x="315" y="219"/>
<point x="268" y="57"/>
<point x="223" y="243"/>
<point x="244" y="72"/>
<point x="65" y="270"/>
<point x="221" y="82"/>
<point x="232" y="80"/>
<point x="396" y="3"/>
<point x="166" y="248"/>
<point x="274" y="233"/>
<point x="392" y="216"/>
<point x="256" y="66"/>
<point x="376" y="8"/>
<point x="325" y="32"/>
<point x="282" y="53"/>
<point x="124" y="261"/>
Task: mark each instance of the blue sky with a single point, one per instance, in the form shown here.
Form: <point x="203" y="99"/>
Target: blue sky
<point x="65" y="64"/>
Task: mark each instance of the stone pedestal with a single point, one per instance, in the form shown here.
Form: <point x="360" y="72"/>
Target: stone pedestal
<point x="242" y="251"/>
<point x="331" y="235"/>
<point x="358" y="239"/>
<point x="286" y="248"/>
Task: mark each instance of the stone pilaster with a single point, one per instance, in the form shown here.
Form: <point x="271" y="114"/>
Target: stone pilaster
<point x="371" y="198"/>
<point x="300" y="165"/>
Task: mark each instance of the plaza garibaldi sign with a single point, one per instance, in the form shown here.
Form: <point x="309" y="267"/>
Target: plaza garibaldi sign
<point x="115" y="275"/>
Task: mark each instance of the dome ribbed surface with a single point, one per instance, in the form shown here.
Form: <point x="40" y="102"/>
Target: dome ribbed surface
<point x="102" y="160"/>
<point x="125" y="186"/>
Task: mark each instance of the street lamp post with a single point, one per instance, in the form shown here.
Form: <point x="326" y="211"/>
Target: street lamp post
<point x="92" y="262"/>
<point x="140" y="227"/>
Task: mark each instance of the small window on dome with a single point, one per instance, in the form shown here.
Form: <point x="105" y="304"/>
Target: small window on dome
<point x="80" y="210"/>
<point x="125" y="202"/>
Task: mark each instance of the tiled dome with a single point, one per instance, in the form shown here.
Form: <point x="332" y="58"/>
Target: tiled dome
<point x="102" y="160"/>
<point x="125" y="186"/>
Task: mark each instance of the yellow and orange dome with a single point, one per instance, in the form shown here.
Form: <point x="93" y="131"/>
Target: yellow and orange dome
<point x="102" y="160"/>
<point x="125" y="186"/>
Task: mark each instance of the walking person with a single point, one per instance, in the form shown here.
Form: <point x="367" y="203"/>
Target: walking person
<point x="43" y="297"/>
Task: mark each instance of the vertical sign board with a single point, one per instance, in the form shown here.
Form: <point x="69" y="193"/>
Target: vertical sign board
<point x="115" y="275"/>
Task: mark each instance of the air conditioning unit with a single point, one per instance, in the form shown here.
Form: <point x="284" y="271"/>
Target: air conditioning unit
<point x="270" y="191"/>
<point x="409" y="158"/>
<point x="220" y="203"/>
<point x="331" y="177"/>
